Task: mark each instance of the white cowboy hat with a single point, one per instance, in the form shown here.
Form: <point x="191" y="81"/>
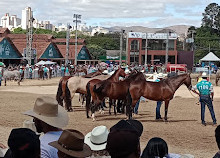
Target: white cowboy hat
<point x="160" y="75"/>
<point x="21" y="67"/>
<point x="204" y="74"/>
<point x="47" y="110"/>
<point x="97" y="139"/>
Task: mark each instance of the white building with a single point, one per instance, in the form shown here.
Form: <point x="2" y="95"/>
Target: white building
<point x="10" y="21"/>
<point x="99" y="30"/>
<point x="26" y="16"/>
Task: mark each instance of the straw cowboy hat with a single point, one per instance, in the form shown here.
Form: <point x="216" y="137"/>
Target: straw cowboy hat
<point x="47" y="110"/>
<point x="71" y="142"/>
<point x="2" y="152"/>
<point x="97" y="139"/>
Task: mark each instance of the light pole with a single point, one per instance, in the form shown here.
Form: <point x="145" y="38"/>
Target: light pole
<point x="77" y="16"/>
<point x="67" y="44"/>
<point x="146" y="45"/>
<point x="167" y="48"/>
<point x="121" y="44"/>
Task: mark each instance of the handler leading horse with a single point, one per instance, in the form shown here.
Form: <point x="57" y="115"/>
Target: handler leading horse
<point x="157" y="91"/>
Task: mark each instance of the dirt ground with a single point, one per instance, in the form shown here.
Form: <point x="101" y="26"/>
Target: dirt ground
<point x="183" y="133"/>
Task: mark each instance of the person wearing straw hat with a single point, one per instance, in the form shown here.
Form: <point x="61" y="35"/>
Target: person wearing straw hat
<point x="49" y="118"/>
<point x="205" y="89"/>
<point x="97" y="140"/>
<point x="71" y="145"/>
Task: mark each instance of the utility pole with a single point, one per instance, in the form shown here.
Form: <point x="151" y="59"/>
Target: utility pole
<point x="67" y="44"/>
<point x="29" y="52"/>
<point x="127" y="48"/>
<point x="121" y="45"/>
<point x="146" y="45"/>
<point x="77" y="16"/>
<point x="167" y="48"/>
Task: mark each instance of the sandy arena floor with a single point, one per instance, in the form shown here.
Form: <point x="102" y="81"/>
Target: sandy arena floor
<point x="183" y="133"/>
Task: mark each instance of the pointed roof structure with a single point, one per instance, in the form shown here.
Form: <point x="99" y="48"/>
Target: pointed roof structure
<point x="210" y="57"/>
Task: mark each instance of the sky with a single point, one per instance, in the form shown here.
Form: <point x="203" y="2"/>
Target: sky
<point x="108" y="13"/>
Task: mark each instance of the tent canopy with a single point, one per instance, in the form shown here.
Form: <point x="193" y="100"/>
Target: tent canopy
<point x="210" y="57"/>
<point x="45" y="62"/>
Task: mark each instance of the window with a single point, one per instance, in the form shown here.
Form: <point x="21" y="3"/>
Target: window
<point x="134" y="45"/>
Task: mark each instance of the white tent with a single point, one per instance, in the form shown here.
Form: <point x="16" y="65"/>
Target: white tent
<point x="210" y="57"/>
<point x="40" y="62"/>
<point x="49" y="63"/>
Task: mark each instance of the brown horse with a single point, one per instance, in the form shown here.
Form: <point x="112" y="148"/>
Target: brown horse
<point x="116" y="90"/>
<point x="217" y="77"/>
<point x="96" y="83"/>
<point x="93" y="74"/>
<point x="80" y="69"/>
<point x="62" y="91"/>
<point x="157" y="91"/>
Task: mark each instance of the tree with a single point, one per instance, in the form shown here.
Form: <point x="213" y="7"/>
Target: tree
<point x="209" y="16"/>
<point x="96" y="51"/>
<point x="19" y="30"/>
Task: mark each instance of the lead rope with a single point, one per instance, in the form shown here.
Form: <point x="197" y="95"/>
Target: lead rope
<point x="197" y="103"/>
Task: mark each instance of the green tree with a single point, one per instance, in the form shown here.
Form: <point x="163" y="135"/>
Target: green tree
<point x="96" y="51"/>
<point x="19" y="30"/>
<point x="206" y="39"/>
<point x="210" y="14"/>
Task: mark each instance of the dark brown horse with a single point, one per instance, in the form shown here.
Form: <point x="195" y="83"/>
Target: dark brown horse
<point x="116" y="90"/>
<point x="157" y="91"/>
<point x="96" y="83"/>
<point x="61" y="92"/>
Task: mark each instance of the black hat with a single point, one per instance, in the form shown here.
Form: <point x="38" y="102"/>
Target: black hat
<point x="129" y="125"/>
<point x="21" y="139"/>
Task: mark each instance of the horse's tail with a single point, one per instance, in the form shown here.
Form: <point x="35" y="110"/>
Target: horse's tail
<point x="88" y="99"/>
<point x="59" y="97"/>
<point x="67" y="98"/>
<point x="99" y="89"/>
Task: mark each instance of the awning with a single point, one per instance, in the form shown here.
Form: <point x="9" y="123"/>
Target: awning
<point x="210" y="57"/>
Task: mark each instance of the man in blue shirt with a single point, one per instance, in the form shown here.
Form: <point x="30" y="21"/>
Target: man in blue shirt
<point x="205" y="89"/>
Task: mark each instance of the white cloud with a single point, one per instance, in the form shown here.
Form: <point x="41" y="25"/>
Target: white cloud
<point x="109" y="11"/>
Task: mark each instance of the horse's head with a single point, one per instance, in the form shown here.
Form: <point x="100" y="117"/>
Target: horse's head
<point x="188" y="82"/>
<point x="121" y="72"/>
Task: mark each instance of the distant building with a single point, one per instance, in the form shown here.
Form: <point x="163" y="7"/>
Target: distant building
<point x="10" y="22"/>
<point x="99" y="30"/>
<point x="26" y="17"/>
<point x="156" y="48"/>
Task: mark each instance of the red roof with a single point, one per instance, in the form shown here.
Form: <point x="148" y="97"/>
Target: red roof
<point x="3" y="30"/>
<point x="63" y="40"/>
<point x="62" y="49"/>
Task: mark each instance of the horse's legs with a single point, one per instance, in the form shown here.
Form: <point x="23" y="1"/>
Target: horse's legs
<point x="5" y="81"/>
<point x="114" y="105"/>
<point x="166" y="108"/>
<point x="110" y="105"/>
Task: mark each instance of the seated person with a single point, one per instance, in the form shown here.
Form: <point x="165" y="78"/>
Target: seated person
<point x="97" y="140"/>
<point x="123" y="139"/>
<point x="157" y="147"/>
<point x="23" y="143"/>
<point x="71" y="145"/>
<point x="217" y="138"/>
